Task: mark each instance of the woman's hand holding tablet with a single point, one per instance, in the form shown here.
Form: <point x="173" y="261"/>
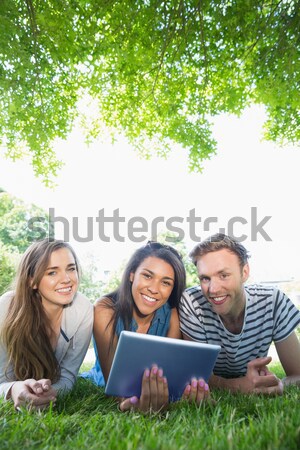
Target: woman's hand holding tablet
<point x="155" y="393"/>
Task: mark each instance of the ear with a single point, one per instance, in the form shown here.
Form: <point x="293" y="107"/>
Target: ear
<point x="245" y="272"/>
<point x="131" y="276"/>
<point x="33" y="286"/>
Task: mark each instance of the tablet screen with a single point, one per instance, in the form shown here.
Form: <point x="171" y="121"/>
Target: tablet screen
<point x="180" y="360"/>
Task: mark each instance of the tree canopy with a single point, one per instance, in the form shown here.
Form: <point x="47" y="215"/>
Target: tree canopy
<point x="156" y="72"/>
<point x="16" y="234"/>
<point x="20" y="223"/>
<point x="18" y="231"/>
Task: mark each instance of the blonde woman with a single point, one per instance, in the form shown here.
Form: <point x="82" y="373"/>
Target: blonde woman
<point x="45" y="326"/>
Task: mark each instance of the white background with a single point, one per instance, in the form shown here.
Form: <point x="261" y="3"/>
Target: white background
<point x="246" y="172"/>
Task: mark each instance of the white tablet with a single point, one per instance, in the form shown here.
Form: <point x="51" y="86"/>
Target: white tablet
<point x="180" y="360"/>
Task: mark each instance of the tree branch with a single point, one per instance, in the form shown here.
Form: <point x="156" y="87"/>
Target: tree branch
<point x="34" y="29"/>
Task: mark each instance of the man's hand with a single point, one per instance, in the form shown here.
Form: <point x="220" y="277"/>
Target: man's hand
<point x="33" y="393"/>
<point x="259" y="379"/>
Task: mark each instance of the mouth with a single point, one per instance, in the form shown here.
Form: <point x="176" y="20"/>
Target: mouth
<point x="65" y="290"/>
<point x="149" y="299"/>
<point x="218" y="300"/>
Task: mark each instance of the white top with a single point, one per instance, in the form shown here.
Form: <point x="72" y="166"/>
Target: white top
<point x="72" y="345"/>
<point x="269" y="316"/>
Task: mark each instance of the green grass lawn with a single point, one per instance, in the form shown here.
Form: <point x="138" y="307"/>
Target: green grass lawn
<point x="87" y="419"/>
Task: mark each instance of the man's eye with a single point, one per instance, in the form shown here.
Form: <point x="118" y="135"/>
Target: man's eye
<point x="204" y="279"/>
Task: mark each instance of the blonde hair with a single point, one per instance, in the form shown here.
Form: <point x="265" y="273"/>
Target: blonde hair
<point x="27" y="330"/>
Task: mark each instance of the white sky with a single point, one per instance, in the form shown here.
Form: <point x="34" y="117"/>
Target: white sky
<point x="246" y="173"/>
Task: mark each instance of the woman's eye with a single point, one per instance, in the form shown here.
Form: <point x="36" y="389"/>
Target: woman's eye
<point x="52" y="273"/>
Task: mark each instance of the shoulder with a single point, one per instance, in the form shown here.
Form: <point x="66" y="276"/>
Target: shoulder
<point x="104" y="309"/>
<point x="5" y="301"/>
<point x="81" y="303"/>
<point x="193" y="291"/>
<point x="103" y="318"/>
<point x="104" y="303"/>
<point x="174" y="317"/>
<point x="79" y="315"/>
<point x="193" y="296"/>
<point x="6" y="298"/>
<point x="261" y="292"/>
<point x="270" y="299"/>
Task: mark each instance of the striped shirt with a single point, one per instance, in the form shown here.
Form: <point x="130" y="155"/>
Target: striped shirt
<point x="269" y="316"/>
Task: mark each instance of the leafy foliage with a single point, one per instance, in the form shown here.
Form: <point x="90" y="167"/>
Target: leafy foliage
<point x="90" y="285"/>
<point x="114" y="278"/>
<point x="154" y="71"/>
<point x="16" y="234"/>
<point x="172" y="239"/>
<point x="167" y="238"/>
<point x="18" y="223"/>
<point x="7" y="268"/>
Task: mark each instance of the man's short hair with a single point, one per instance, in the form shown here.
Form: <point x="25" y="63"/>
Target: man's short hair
<point x="217" y="242"/>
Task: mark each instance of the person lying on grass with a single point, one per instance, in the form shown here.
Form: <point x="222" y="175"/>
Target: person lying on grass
<point x="45" y="326"/>
<point x="145" y="302"/>
<point x="243" y="320"/>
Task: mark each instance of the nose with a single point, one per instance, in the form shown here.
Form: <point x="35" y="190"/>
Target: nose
<point x="65" y="277"/>
<point x="153" y="287"/>
<point x="214" y="286"/>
